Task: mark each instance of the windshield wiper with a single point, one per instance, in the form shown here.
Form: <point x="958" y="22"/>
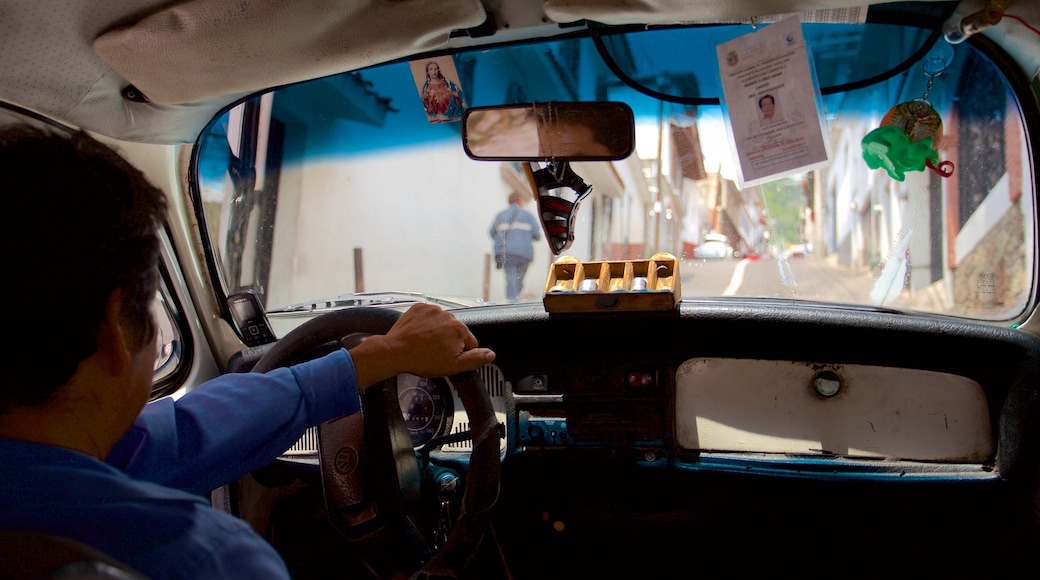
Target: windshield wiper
<point x="372" y="299"/>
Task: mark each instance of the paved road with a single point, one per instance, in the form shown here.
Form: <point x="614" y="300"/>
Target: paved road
<point x="797" y="278"/>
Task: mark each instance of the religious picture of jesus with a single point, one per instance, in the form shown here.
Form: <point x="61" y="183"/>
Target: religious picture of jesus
<point x="438" y="82"/>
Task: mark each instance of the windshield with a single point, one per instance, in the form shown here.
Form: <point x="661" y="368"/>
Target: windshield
<point x="347" y="185"/>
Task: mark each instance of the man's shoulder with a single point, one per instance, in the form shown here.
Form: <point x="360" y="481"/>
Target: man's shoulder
<point x="157" y="530"/>
<point x="46" y="475"/>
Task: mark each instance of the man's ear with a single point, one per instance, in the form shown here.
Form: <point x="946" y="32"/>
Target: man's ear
<point x="114" y="337"/>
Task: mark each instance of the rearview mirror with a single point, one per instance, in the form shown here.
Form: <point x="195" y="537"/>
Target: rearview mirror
<point x="597" y="131"/>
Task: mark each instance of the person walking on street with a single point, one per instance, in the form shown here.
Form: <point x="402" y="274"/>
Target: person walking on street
<point x="514" y="232"/>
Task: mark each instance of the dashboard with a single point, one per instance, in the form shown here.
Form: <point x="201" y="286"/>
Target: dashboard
<point x="767" y="382"/>
<point x="631" y="439"/>
<point x="645" y="443"/>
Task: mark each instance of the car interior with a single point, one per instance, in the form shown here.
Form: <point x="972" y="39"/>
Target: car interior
<point x="782" y="315"/>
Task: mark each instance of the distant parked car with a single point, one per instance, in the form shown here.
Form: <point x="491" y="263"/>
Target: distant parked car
<point x="799" y="250"/>
<point x="714" y="247"/>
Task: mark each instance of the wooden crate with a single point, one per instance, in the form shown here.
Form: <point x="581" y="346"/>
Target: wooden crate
<point x="620" y="286"/>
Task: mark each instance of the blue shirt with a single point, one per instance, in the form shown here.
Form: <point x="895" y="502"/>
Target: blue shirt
<point x="145" y="505"/>
<point x="515" y="230"/>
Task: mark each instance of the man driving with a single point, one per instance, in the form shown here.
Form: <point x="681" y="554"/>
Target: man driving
<point x="85" y="456"/>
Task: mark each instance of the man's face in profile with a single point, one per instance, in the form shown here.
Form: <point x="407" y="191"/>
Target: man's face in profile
<point x="569" y="139"/>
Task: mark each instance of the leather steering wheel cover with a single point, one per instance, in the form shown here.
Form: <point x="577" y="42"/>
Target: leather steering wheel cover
<point x="326" y="328"/>
<point x="345" y="468"/>
<point x="482" y="482"/>
<point x="482" y="474"/>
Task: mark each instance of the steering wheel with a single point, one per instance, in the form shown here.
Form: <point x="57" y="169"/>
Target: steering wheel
<point x="363" y="455"/>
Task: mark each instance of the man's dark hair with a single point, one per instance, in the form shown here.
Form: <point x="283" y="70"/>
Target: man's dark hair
<point x="82" y="223"/>
<point x="763" y="98"/>
<point x="616" y="138"/>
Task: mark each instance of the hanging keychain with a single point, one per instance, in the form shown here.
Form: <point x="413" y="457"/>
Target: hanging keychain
<point x="909" y="135"/>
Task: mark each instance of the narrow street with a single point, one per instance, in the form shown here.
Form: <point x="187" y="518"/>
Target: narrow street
<point x="795" y="278"/>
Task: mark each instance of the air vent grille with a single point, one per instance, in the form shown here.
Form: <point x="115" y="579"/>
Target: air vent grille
<point x="495" y="383"/>
<point x="307" y="446"/>
<point x="493" y="380"/>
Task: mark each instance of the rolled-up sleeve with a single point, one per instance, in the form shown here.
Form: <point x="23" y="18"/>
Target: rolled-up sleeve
<point x="234" y="424"/>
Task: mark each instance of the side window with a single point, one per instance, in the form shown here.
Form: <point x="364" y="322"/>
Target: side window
<point x="171" y="355"/>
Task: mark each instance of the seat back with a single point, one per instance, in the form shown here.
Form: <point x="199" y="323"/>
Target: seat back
<point x="34" y="555"/>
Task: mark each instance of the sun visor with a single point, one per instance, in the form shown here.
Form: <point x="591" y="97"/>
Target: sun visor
<point x="202" y="49"/>
<point x="618" y="12"/>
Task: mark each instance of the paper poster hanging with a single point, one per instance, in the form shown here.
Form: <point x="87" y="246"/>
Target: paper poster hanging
<point x="774" y="115"/>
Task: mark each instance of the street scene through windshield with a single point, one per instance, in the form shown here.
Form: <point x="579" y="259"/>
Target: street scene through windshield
<point x="297" y="185"/>
<point x="521" y="290"/>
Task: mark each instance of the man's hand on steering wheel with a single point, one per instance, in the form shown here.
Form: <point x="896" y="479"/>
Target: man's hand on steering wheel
<point x="360" y="489"/>
<point x="426" y="341"/>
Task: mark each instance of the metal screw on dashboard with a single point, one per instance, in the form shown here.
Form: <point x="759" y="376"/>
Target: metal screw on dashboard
<point x="827" y="384"/>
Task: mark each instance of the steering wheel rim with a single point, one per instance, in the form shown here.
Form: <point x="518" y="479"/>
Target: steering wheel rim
<point x="347" y="486"/>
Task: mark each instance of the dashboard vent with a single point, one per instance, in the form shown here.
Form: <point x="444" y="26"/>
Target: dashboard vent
<point x="495" y="383"/>
<point x="493" y="380"/>
<point x="307" y="446"/>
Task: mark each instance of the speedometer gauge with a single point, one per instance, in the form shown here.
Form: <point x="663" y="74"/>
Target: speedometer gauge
<point x="423" y="405"/>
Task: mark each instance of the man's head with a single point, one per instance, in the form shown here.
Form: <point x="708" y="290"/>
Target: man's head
<point x="767" y="105"/>
<point x="566" y="133"/>
<point x="433" y="70"/>
<point x="89" y="250"/>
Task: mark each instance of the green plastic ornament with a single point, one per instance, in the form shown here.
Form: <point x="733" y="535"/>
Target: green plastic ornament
<point x="906" y="141"/>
